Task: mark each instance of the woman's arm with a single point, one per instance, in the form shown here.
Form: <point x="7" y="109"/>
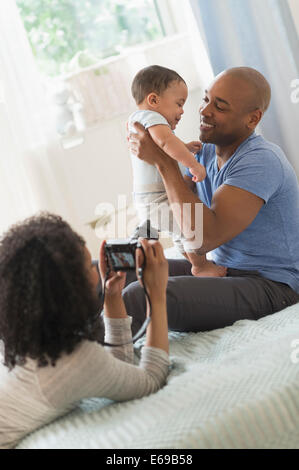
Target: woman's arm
<point x="155" y="279"/>
<point x="90" y="371"/>
<point x="117" y="322"/>
<point x="122" y="381"/>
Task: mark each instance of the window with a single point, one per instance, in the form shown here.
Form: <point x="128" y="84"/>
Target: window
<point x="90" y="50"/>
<point x="68" y="35"/>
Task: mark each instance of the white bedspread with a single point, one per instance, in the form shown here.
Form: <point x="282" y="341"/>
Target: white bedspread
<point x="236" y="387"/>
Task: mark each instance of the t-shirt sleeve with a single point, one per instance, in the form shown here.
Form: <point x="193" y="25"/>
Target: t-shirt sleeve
<point x="148" y="119"/>
<point x="92" y="371"/>
<point x="118" y="331"/>
<point x="258" y="172"/>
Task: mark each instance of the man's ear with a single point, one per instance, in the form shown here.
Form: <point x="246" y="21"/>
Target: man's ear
<point x="153" y="99"/>
<point x="254" y="118"/>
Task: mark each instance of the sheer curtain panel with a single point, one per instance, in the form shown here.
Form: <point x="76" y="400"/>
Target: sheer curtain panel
<point x="27" y="135"/>
<point x="259" y="34"/>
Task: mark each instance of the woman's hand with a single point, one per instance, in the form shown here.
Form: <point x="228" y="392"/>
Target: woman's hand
<point x="114" y="306"/>
<point x="155" y="274"/>
<point x="116" y="280"/>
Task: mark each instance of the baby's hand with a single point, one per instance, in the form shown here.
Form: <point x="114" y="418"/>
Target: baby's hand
<point x="198" y="171"/>
<point x="194" y="147"/>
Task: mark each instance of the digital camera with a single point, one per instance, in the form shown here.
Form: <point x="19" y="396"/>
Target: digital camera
<point x="121" y="254"/>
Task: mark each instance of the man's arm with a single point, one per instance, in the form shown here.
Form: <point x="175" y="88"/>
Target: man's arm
<point x="191" y="185"/>
<point x="232" y="209"/>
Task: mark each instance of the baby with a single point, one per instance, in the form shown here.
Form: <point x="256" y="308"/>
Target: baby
<point x="160" y="95"/>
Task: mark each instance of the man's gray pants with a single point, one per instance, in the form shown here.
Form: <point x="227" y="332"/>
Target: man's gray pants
<point x="201" y="304"/>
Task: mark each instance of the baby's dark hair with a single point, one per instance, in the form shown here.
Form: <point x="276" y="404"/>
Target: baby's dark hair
<point x="153" y="79"/>
<point x="47" y="302"/>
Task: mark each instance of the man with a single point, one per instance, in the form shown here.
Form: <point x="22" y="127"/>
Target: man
<point x="250" y="212"/>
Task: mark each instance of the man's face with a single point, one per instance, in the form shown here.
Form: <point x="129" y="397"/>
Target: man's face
<point x="224" y="111"/>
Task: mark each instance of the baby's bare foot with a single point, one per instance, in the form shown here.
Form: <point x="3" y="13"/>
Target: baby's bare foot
<point x="209" y="269"/>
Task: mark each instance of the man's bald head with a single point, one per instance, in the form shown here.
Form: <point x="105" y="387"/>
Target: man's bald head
<point x="258" y="88"/>
<point x="233" y="106"/>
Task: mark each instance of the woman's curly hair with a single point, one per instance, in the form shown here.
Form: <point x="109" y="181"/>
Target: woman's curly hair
<point x="47" y="303"/>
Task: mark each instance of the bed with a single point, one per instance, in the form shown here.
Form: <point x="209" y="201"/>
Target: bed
<point x="231" y="388"/>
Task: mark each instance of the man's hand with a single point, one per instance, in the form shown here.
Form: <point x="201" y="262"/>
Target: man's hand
<point x="142" y="145"/>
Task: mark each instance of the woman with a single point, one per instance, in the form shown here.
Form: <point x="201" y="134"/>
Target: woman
<point x="49" y="326"/>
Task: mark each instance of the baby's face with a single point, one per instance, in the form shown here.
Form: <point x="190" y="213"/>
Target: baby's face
<point x="171" y="103"/>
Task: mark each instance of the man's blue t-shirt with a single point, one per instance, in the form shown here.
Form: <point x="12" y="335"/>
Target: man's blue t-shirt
<point x="270" y="244"/>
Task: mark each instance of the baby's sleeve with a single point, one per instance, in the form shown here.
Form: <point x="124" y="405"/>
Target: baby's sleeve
<point x="147" y="119"/>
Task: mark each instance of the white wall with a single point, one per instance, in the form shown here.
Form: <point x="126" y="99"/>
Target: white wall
<point x="99" y="170"/>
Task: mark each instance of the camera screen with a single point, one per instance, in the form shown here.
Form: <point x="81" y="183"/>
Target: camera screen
<point x="123" y="259"/>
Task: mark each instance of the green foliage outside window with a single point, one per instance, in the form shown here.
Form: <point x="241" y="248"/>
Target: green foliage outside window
<point x="66" y="35"/>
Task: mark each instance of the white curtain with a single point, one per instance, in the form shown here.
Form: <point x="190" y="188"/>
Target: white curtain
<point x="259" y="34"/>
<point x="29" y="147"/>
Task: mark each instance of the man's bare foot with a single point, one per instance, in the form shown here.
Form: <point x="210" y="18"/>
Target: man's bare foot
<point x="209" y="269"/>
